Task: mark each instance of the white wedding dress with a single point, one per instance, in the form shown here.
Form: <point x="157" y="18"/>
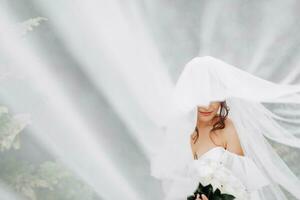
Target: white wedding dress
<point x="244" y="174"/>
<point x="261" y="172"/>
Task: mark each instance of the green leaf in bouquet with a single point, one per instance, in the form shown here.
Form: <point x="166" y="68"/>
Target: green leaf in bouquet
<point x="227" y="196"/>
<point x="217" y="195"/>
<point x="199" y="188"/>
<point x="210" y="193"/>
<point x="206" y="190"/>
<point x="192" y="197"/>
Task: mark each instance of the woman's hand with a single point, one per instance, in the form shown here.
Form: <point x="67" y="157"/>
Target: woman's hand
<point x="203" y="197"/>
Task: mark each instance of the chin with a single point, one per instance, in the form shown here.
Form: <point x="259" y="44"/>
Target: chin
<point x="206" y="118"/>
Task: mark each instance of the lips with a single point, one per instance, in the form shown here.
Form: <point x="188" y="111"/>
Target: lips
<point x="205" y="113"/>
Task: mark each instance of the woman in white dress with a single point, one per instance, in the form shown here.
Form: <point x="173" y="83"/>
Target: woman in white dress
<point x="214" y="131"/>
<point x="226" y="147"/>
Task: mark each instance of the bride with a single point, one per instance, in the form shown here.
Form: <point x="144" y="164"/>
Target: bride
<point x="217" y="135"/>
<point x="216" y="131"/>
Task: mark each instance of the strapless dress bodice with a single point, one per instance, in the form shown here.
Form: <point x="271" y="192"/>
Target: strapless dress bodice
<point x="214" y="153"/>
<point x="241" y="166"/>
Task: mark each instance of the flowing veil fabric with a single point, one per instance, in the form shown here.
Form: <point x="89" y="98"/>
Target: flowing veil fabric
<point x="206" y="79"/>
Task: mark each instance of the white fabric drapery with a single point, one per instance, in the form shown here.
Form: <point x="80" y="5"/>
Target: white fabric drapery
<point x="206" y="79"/>
<point x="96" y="77"/>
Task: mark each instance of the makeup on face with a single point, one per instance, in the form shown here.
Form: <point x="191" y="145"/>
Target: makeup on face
<point x="205" y="113"/>
<point x="207" y="110"/>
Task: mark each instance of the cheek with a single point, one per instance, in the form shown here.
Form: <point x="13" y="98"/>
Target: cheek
<point x="215" y="107"/>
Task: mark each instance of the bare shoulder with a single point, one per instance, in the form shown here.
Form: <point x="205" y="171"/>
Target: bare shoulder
<point x="232" y="139"/>
<point x="229" y="125"/>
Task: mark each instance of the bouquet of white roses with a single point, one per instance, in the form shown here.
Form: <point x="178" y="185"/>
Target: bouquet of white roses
<point x="217" y="182"/>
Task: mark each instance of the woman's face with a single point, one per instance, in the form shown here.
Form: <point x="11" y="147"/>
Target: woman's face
<point x="206" y="113"/>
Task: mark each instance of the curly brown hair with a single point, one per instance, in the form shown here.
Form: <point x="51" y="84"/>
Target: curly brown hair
<point x="220" y="124"/>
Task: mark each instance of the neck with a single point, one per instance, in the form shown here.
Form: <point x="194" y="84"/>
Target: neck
<point x="204" y="124"/>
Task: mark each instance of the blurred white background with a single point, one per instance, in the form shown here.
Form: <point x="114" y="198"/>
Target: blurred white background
<point x="84" y="85"/>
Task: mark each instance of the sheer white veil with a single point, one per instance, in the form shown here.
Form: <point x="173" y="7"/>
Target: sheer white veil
<point x="206" y="79"/>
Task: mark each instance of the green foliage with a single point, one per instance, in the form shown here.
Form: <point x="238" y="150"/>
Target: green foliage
<point x="63" y="184"/>
<point x="29" y="24"/>
<point x="210" y="193"/>
<point x="10" y="128"/>
<point x="47" y="180"/>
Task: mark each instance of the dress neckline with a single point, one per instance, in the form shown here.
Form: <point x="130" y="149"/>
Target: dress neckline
<point x="208" y="151"/>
